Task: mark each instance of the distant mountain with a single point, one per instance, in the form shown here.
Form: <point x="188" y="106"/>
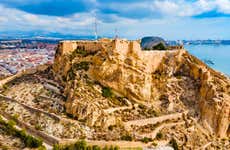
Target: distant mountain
<point x="43" y="35"/>
<point x="151" y="41"/>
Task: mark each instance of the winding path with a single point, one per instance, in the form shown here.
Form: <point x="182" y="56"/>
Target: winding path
<point x="154" y="120"/>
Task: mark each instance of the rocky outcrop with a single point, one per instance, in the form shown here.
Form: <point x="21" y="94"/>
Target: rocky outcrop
<point x="150" y="42"/>
<point x="171" y="81"/>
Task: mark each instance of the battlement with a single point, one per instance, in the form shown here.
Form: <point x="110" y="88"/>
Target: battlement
<point x="121" y="45"/>
<point x="66" y="47"/>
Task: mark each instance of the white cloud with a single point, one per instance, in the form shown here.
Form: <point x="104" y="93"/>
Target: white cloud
<point x="223" y="6"/>
<point x="183" y="8"/>
<point x="166" y="7"/>
<point x="12" y="19"/>
<point x="3" y="19"/>
<point x="176" y="21"/>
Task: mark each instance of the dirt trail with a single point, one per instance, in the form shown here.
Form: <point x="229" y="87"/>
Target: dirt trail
<point x="154" y="120"/>
<point x="157" y="130"/>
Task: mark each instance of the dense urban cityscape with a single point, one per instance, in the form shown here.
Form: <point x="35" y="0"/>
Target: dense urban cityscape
<point x="17" y="55"/>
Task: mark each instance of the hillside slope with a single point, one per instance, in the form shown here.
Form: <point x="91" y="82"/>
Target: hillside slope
<point x="112" y="82"/>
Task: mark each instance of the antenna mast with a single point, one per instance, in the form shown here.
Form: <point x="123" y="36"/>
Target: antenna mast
<point x="116" y="33"/>
<point x="95" y="28"/>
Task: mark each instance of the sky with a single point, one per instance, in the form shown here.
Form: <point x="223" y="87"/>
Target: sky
<point x="133" y="19"/>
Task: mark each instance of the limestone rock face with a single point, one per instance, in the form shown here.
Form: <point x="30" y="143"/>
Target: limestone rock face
<point x="170" y="81"/>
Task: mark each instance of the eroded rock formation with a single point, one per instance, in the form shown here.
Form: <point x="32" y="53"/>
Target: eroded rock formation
<point x="166" y="81"/>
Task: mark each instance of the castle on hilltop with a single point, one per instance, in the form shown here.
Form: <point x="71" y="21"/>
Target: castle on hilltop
<point x="87" y="45"/>
<point x="119" y="44"/>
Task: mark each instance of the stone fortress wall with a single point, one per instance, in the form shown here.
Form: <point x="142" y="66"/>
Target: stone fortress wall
<point x="22" y="73"/>
<point x="122" y="45"/>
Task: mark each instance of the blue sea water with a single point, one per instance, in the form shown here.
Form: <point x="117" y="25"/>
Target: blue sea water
<point x="218" y="54"/>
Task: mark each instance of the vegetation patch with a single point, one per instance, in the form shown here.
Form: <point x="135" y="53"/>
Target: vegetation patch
<point x="111" y="127"/>
<point x="146" y="140"/>
<point x="126" y="138"/>
<point x="84" y="65"/>
<point x="5" y="87"/>
<point x="174" y="144"/>
<point x="69" y="115"/>
<point x="107" y="92"/>
<point x="159" y="46"/>
<point x="82" y="145"/>
<point x="159" y="136"/>
<point x="81" y="52"/>
<point x="15" y="117"/>
<point x="28" y="140"/>
<point x="71" y="74"/>
<point x="38" y="127"/>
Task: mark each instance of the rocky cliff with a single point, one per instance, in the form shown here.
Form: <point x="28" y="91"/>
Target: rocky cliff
<point x="105" y="77"/>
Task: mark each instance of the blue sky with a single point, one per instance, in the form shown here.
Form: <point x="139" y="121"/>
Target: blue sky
<point x="171" y="19"/>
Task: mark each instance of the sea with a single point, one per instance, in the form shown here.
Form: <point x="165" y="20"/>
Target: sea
<point x="216" y="56"/>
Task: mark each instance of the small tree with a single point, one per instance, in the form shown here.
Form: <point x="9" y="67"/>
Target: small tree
<point x="159" y="46"/>
<point x="174" y="144"/>
<point x="159" y="135"/>
<point x="146" y="140"/>
<point x="126" y="138"/>
<point x="107" y="92"/>
<point x="95" y="147"/>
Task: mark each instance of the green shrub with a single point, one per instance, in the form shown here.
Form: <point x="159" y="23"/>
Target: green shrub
<point x="4" y="147"/>
<point x="84" y="65"/>
<point x="11" y="123"/>
<point x="82" y="145"/>
<point x="42" y="148"/>
<point x="82" y="120"/>
<point x="154" y="144"/>
<point x="159" y="135"/>
<point x="21" y="133"/>
<point x="89" y="148"/>
<point x="174" y="144"/>
<point x="15" y="117"/>
<point x="111" y="147"/>
<point x="5" y="87"/>
<point x="56" y="147"/>
<point x="159" y="46"/>
<point x="95" y="147"/>
<point x="105" y="148"/>
<point x="72" y="55"/>
<point x="116" y="148"/>
<point x="82" y="52"/>
<point x="111" y="127"/>
<point x="107" y="92"/>
<point x="153" y="112"/>
<point x="146" y="140"/>
<point x="38" y="127"/>
<point x="69" y="115"/>
<point x="28" y="140"/>
<point x="32" y="142"/>
<point x="126" y="138"/>
<point x="141" y="106"/>
<point x="71" y="75"/>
